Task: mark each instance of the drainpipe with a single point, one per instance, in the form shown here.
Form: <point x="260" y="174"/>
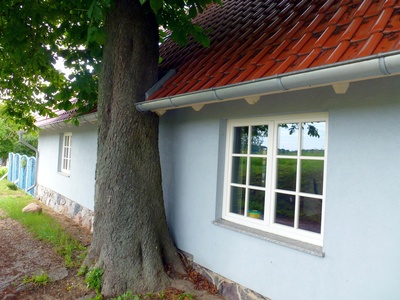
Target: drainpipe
<point x="20" y="133"/>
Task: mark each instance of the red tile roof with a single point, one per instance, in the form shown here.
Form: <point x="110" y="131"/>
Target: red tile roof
<point x="62" y="117"/>
<point x="255" y="39"/>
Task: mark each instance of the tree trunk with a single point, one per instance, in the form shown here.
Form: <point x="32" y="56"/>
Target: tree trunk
<point x="131" y="242"/>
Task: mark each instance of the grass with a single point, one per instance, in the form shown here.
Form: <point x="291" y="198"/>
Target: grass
<point x="41" y="226"/>
<point x="41" y="279"/>
<point x="3" y="170"/>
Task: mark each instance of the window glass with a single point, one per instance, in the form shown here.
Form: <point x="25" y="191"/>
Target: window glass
<point x="65" y="161"/>
<point x="256" y="204"/>
<point x="240" y="139"/>
<point x="288" y="135"/>
<point x="285" y="209"/>
<point x="258" y="167"/>
<point x="313" y="139"/>
<point x="239" y="167"/>
<point x="310" y="214"/>
<point x="286" y="174"/>
<point x="259" y="139"/>
<point x="312" y="176"/>
<point x="238" y="196"/>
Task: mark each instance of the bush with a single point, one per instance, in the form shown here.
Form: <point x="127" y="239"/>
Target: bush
<point x="3" y="170"/>
<point x="12" y="186"/>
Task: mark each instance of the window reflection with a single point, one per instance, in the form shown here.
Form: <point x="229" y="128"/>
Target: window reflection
<point x="312" y="176"/>
<point x="288" y="136"/>
<point x="237" y="200"/>
<point x="258" y="167"/>
<point x="313" y="139"/>
<point x="239" y="166"/>
<point x="284" y="210"/>
<point x="241" y="135"/>
<point x="256" y="204"/>
<point x="259" y="139"/>
<point x="286" y="171"/>
<point x="310" y="214"/>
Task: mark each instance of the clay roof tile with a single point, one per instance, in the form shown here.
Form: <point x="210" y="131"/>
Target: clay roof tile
<point x="261" y="38"/>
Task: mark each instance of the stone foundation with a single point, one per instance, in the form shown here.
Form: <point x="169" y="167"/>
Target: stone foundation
<point x="65" y="206"/>
<point x="84" y="217"/>
<point x="227" y="288"/>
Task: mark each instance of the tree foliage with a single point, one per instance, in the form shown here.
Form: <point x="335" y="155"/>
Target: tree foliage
<point x="9" y="141"/>
<point x="35" y="34"/>
<point x="130" y="236"/>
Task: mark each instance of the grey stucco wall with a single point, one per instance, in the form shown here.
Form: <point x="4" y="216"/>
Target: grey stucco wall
<point x="361" y="238"/>
<point x="79" y="185"/>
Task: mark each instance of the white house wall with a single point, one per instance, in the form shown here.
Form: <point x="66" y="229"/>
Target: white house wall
<point x="79" y="185"/>
<point x="361" y="239"/>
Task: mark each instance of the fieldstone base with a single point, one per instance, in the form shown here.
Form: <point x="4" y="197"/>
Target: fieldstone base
<point x="227" y="288"/>
<point x="65" y="206"/>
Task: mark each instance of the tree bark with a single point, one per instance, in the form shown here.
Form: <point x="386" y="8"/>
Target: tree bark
<point x="131" y="242"/>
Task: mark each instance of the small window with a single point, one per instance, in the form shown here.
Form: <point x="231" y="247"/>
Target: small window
<point x="66" y="153"/>
<point x="275" y="175"/>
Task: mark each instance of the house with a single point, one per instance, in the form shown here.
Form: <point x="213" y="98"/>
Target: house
<point x="279" y="148"/>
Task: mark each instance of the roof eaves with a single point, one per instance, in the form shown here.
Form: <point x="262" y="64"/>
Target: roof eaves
<point x="379" y="65"/>
<point x="56" y="123"/>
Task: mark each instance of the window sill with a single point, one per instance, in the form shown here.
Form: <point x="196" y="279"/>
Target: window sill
<point x="273" y="238"/>
<point x="63" y="174"/>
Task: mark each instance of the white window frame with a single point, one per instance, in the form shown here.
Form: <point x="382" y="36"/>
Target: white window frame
<point x="65" y="162"/>
<point x="268" y="224"/>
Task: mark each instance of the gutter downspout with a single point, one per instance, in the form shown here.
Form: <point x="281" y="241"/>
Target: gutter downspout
<point x="353" y="70"/>
<point x="20" y="133"/>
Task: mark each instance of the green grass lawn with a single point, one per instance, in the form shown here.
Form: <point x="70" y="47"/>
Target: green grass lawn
<point x="42" y="226"/>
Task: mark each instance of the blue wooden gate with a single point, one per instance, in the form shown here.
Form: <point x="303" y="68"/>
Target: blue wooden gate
<point x="22" y="171"/>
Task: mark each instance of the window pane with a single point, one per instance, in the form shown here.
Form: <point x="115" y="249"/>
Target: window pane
<point x="258" y="166"/>
<point x="66" y="152"/>
<point x="284" y="211"/>
<point x="259" y="139"/>
<point x="256" y="204"/>
<point x="312" y="176"/>
<point x="288" y="142"/>
<point x="313" y="139"/>
<point x="239" y="165"/>
<point x="310" y="214"/>
<point x="240" y="138"/>
<point x="286" y="176"/>
<point x="238" y="196"/>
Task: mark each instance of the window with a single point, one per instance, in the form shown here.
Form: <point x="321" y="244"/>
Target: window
<point x="66" y="153"/>
<point x="275" y="175"/>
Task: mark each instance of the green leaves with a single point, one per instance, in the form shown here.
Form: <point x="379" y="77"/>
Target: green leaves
<point x="35" y="34"/>
<point x="176" y="17"/>
<point x="156" y="5"/>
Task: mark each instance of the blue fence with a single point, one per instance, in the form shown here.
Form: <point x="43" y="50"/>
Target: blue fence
<point x="22" y="171"/>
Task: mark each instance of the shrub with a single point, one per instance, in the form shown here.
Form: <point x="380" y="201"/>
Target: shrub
<point x="3" y="170"/>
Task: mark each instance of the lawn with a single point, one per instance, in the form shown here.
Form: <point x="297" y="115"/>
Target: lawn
<point x="42" y="226"/>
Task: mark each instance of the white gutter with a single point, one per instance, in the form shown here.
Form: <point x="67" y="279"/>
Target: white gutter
<point x="344" y="72"/>
<point x="89" y="118"/>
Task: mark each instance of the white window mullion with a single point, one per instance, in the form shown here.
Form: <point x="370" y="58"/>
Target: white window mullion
<point x="298" y="177"/>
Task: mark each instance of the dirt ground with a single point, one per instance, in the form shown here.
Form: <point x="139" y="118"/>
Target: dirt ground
<point x="21" y="255"/>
